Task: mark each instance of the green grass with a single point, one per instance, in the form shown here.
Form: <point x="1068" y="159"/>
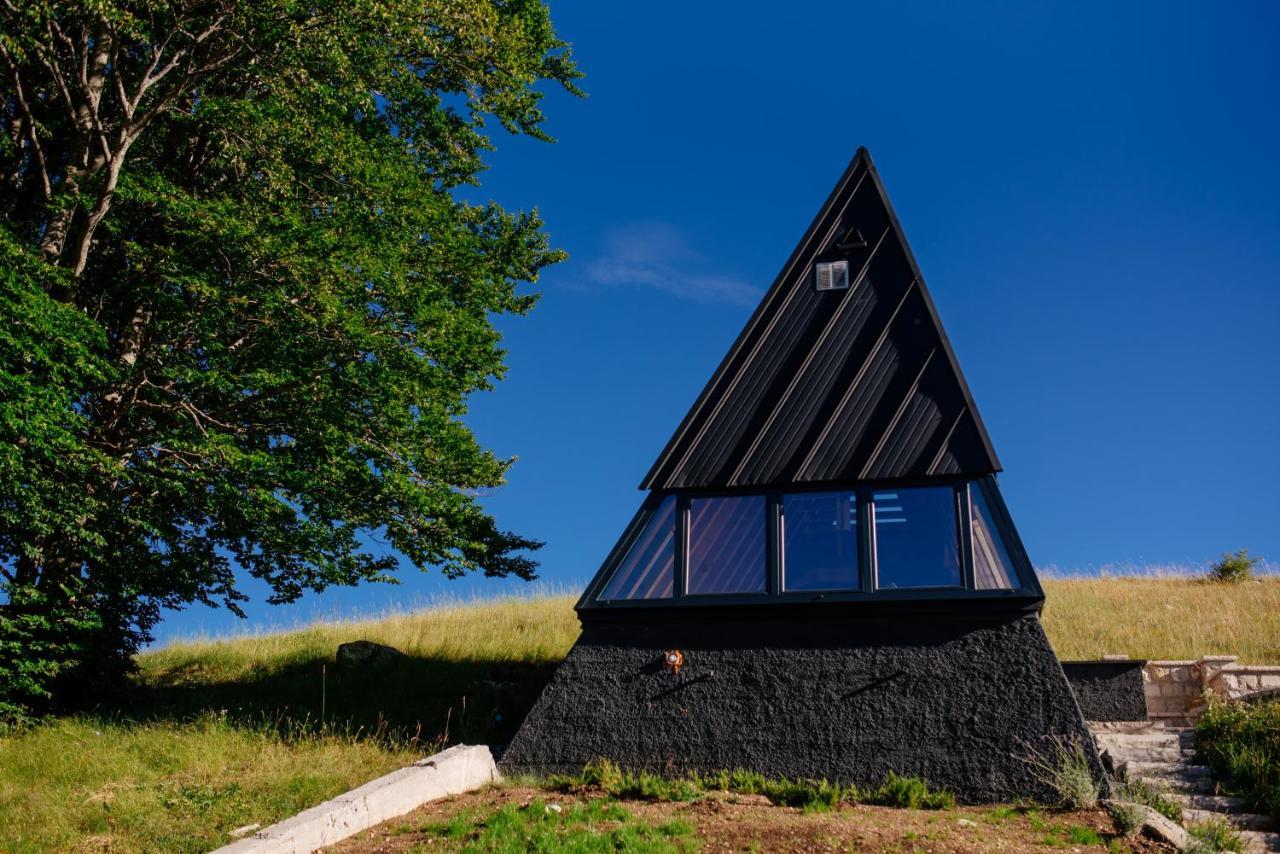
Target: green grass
<point x="809" y="795"/>
<point x="910" y="793"/>
<point x="101" y="785"/>
<point x="1214" y="835"/>
<point x="599" y="825"/>
<point x="221" y="733"/>
<point x="1058" y="835"/>
<point x="1240" y="742"/>
<point x="470" y="674"/>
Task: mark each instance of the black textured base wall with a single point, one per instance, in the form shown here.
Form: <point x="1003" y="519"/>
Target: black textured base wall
<point x="1108" y="690"/>
<point x="961" y="701"/>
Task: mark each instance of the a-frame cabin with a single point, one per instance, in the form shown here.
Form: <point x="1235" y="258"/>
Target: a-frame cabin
<point x="823" y="580"/>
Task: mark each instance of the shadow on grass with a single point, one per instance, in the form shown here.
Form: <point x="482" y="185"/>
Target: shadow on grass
<point x="422" y="700"/>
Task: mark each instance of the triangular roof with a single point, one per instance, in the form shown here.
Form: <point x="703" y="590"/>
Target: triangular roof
<point x="835" y="386"/>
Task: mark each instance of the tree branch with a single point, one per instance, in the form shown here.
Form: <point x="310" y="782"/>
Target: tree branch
<point x="20" y="96"/>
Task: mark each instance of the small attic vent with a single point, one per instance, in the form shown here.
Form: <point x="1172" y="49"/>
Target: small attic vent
<point x="832" y="275"/>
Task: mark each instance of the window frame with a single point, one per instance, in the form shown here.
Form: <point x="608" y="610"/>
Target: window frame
<point x="684" y="533"/>
<point x="964" y="544"/>
<point x="778" y="529"/>
<point x="1027" y="586"/>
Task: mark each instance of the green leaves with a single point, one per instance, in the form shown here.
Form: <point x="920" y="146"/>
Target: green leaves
<point x="255" y="343"/>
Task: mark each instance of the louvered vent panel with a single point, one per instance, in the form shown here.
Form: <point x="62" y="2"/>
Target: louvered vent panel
<point x="832" y="275"/>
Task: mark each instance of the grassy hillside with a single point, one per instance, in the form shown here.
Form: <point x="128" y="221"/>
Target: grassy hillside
<point x="1170" y="617"/>
<point x="230" y="732"/>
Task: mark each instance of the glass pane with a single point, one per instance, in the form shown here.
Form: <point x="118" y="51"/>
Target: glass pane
<point x="992" y="568"/>
<point x="649" y="569"/>
<point x="917" y="544"/>
<point x="820" y="541"/>
<point x="726" y="545"/>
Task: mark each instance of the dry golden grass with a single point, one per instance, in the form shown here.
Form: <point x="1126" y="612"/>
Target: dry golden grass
<point x="1163" y="618"/>
<point x="1167" y="617"/>
<point x="536" y="630"/>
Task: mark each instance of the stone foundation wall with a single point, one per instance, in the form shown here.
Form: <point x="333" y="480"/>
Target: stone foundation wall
<point x="1176" y="690"/>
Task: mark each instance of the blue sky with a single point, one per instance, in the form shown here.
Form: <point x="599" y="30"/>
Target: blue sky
<point x="1091" y="189"/>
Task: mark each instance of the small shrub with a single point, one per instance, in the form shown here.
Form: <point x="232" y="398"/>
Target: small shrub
<point x="1142" y="792"/>
<point x="1066" y="771"/>
<point x="1240" y="742"/>
<point x="809" y="795"/>
<point x="1214" y="835"/>
<point x="1233" y="568"/>
<point x="618" y="783"/>
<point x="602" y="773"/>
<point x="647" y="786"/>
<point x="910" y="793"/>
<point x="1128" y="818"/>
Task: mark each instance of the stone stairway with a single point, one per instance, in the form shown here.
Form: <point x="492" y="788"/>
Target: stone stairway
<point x="1164" y="757"/>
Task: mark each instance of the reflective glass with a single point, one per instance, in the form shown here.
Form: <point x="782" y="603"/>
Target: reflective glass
<point x="992" y="568"/>
<point x="820" y="541"/>
<point x="917" y="543"/>
<point x="726" y="545"/>
<point x="648" y="570"/>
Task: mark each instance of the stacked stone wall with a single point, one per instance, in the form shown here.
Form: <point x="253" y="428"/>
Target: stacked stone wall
<point x="1177" y="691"/>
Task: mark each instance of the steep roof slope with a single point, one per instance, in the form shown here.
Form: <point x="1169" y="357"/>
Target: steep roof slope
<point x="858" y="384"/>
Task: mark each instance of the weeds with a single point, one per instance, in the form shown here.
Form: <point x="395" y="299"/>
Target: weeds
<point x="1214" y="835"/>
<point x="1078" y="834"/>
<point x="1128" y="817"/>
<point x="910" y="793"/>
<point x="1065" y="770"/>
<point x="1142" y="792"/>
<point x="1240" y="742"/>
<point x="597" y="825"/>
<point x="809" y="795"/>
<point x="617" y="783"/>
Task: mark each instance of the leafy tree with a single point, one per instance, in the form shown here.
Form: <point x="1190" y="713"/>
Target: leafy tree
<point x="243" y="305"/>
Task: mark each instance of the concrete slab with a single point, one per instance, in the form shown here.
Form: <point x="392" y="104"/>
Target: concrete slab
<point x="458" y="769"/>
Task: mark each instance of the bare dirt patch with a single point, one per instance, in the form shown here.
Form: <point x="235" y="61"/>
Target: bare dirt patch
<point x="728" y="822"/>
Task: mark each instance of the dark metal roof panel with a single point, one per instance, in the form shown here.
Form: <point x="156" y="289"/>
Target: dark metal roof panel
<point x="825" y="386"/>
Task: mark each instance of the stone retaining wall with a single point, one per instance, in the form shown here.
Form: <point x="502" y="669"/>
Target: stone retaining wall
<point x="1176" y="689"/>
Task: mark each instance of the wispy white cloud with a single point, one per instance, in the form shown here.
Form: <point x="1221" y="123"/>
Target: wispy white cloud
<point x="656" y="255"/>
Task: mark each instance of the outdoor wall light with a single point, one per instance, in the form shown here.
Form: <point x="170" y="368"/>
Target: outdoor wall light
<point x="673" y="659"/>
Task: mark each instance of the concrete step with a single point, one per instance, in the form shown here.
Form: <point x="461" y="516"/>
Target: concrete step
<point x="1182" y="769"/>
<point x="1242" y="820"/>
<point x="1166" y="738"/>
<point x="1178" y="785"/>
<point x="1260" y="841"/>
<point x="1149" y="754"/>
<point x="1210" y="802"/>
